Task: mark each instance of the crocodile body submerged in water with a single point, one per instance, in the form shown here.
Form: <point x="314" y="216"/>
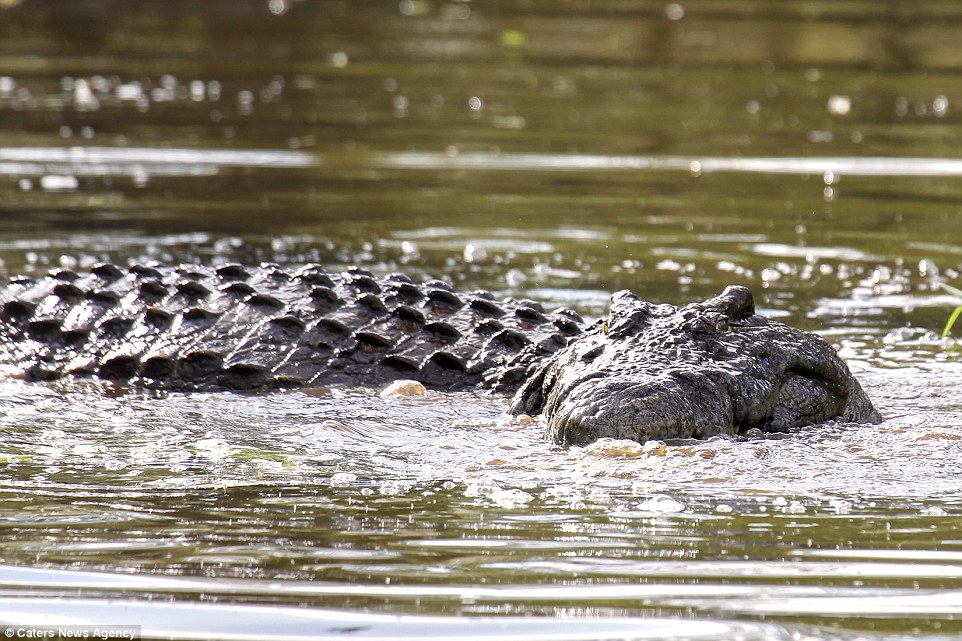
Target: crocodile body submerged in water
<point x="645" y="372"/>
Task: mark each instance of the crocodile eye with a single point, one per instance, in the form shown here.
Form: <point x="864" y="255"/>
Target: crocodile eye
<point x="709" y="323"/>
<point x="699" y="326"/>
<point x="719" y="323"/>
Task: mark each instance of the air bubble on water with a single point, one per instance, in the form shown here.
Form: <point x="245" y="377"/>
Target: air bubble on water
<point x="213" y="448"/>
<point x="338" y="59"/>
<point x="481" y="488"/>
<point x="114" y="464"/>
<point x="343" y="479"/>
<point x="52" y="182"/>
<point x="940" y="106"/>
<point x="515" y="278"/>
<point x="198" y="90"/>
<point x="668" y="265"/>
<point x="674" y="11"/>
<point x="614" y="448"/>
<point x="412" y="8"/>
<point x="409" y="249"/>
<point x="840" y="506"/>
<point x="794" y="507"/>
<point x="661" y="504"/>
<point x="474" y="253"/>
<point x="839" y="105"/>
<point x="228" y="243"/>
<point x="726" y="265"/>
<point x="901" y="106"/>
<point x="572" y="497"/>
<point x="245" y="102"/>
<point x="396" y="487"/>
<point x="820" y="136"/>
<point x="510" y="498"/>
<point x="455" y="11"/>
<point x="140" y="177"/>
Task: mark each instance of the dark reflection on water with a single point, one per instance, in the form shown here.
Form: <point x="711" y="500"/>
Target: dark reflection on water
<point x="552" y="151"/>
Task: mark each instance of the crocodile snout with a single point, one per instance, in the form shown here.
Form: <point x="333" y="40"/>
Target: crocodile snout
<point x="664" y="408"/>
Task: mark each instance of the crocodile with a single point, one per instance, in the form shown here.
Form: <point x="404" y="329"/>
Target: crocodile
<point x="646" y="371"/>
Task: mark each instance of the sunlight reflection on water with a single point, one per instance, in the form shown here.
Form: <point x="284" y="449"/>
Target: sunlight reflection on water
<point x="99" y="161"/>
<point x="239" y="621"/>
<point x="58" y="166"/>
<point x="854" y="166"/>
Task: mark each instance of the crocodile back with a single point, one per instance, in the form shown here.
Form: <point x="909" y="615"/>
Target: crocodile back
<point x="233" y="327"/>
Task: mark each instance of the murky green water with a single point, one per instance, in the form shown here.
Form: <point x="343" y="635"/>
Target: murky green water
<point x="558" y="151"/>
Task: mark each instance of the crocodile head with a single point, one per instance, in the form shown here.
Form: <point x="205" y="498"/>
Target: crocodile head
<point x="715" y="367"/>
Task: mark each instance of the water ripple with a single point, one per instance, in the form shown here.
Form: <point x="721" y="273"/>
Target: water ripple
<point x="215" y="621"/>
<point x="151" y="161"/>
<point x="847" y="165"/>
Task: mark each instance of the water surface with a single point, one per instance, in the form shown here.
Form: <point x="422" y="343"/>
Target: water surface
<point x="809" y="150"/>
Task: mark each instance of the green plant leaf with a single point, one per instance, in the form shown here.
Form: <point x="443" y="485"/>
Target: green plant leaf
<point x="950" y="289"/>
<point x="954" y="317"/>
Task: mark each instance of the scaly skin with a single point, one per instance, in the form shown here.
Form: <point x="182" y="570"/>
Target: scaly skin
<point x="715" y="367"/>
<point x="648" y="371"/>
